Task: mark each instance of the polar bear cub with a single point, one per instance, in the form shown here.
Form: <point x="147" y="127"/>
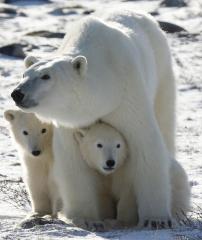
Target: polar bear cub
<point x="106" y="151"/>
<point x="34" y="144"/>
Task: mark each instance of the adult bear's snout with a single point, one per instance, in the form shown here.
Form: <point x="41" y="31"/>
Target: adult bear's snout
<point x="17" y="96"/>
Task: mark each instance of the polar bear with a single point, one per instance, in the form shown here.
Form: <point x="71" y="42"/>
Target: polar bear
<point x="117" y="69"/>
<point x="34" y="144"/>
<point x="105" y="150"/>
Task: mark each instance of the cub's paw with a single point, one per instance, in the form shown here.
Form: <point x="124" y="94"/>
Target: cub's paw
<point x="156" y="223"/>
<point x="93" y="226"/>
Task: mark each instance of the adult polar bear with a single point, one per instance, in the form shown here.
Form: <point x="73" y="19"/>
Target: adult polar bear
<point x="117" y="69"/>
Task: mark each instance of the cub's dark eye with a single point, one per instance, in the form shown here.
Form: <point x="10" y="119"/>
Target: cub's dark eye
<point x="23" y="75"/>
<point x="43" y="130"/>
<point x="99" y="145"/>
<point x="118" y="145"/>
<point x="25" y="132"/>
<point x="45" y="77"/>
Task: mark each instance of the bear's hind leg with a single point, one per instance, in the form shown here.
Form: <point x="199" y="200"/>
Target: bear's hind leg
<point x="180" y="191"/>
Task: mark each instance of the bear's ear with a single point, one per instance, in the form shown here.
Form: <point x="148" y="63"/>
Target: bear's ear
<point x="29" y="61"/>
<point x="80" y="65"/>
<point x="9" y="115"/>
<point x="79" y="135"/>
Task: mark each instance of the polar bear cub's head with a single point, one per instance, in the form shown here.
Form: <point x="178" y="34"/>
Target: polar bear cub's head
<point x="103" y="147"/>
<point x="32" y="136"/>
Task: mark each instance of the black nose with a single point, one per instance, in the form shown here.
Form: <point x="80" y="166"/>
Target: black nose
<point x="110" y="163"/>
<point x="17" y="96"/>
<point x="36" y="153"/>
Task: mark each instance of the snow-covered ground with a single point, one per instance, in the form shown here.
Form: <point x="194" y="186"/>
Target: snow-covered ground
<point x="31" y="16"/>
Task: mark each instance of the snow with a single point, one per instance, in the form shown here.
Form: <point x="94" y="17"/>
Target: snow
<point x="187" y="56"/>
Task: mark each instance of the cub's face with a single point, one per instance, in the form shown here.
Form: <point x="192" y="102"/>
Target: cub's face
<point x="33" y="136"/>
<point x="102" y="147"/>
<point x="67" y="90"/>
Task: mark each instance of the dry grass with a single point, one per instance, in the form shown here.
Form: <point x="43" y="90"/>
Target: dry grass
<point x="14" y="192"/>
<point x="194" y="218"/>
<point x="192" y="221"/>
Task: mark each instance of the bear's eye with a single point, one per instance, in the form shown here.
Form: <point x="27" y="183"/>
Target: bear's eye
<point x="43" y="130"/>
<point x="25" y="132"/>
<point x="45" y="77"/>
<point x="99" y="145"/>
<point x="118" y="145"/>
<point x="23" y="75"/>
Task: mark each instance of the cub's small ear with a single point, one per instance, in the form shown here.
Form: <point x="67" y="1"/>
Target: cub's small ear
<point x="9" y="115"/>
<point x="79" y="135"/>
<point x="29" y="61"/>
<point x="80" y="65"/>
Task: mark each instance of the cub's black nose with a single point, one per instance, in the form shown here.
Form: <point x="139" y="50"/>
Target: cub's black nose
<point x="36" y="153"/>
<point x="110" y="163"/>
<point x="17" y="96"/>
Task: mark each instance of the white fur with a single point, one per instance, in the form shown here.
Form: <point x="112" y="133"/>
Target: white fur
<point x="181" y="191"/>
<point x="102" y="143"/>
<point x="37" y="170"/>
<point x="120" y="190"/>
<point x="127" y="82"/>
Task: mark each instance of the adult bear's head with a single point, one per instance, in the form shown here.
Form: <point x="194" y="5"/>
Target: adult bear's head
<point x="69" y="90"/>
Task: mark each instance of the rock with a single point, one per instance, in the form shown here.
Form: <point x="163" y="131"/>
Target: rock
<point x="7" y="9"/>
<point x="34" y="221"/>
<point x="2" y="175"/>
<point x="154" y="13"/>
<point x="192" y="87"/>
<point x="46" y="34"/>
<point x="17" y="49"/>
<point x="192" y="36"/>
<point x="76" y="6"/>
<point x="173" y="3"/>
<point x="88" y="11"/>
<point x="193" y="183"/>
<point x="68" y="10"/>
<point x="171" y="27"/>
<point x="15" y="164"/>
<point x="22" y="14"/>
<point x="63" y="11"/>
<point x="16" y="1"/>
<point x="14" y="50"/>
<point x="11" y="10"/>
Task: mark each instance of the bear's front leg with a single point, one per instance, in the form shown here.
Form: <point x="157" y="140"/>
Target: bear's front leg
<point x="40" y="199"/>
<point x="126" y="208"/>
<point x="76" y="181"/>
<point x="149" y="164"/>
<point x="152" y="182"/>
